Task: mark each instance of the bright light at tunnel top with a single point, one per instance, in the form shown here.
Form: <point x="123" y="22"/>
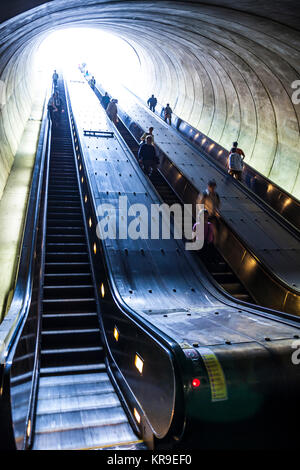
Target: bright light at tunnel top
<point x="108" y="57"/>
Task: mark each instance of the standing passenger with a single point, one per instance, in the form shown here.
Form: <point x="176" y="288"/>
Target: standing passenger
<point x="147" y="156"/>
<point x="112" y="111"/>
<point x="211" y="200"/>
<point x="55" y="79"/>
<point x="238" y="150"/>
<point x="105" y="100"/>
<point x="168" y="113"/>
<point x="92" y="83"/>
<point x="148" y="134"/>
<point x="152" y="102"/>
<point x="235" y="162"/>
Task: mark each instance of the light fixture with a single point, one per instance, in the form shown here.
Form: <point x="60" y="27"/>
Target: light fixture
<point x="28" y="428"/>
<point x="196" y="383"/>
<point x="137" y="416"/>
<point x="116" y="334"/>
<point x="102" y="291"/>
<point x="139" y="363"/>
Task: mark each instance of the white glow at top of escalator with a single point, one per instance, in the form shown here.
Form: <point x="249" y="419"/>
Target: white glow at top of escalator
<point x="109" y="58"/>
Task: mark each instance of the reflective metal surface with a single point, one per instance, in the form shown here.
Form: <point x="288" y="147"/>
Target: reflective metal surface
<point x="272" y="275"/>
<point x="163" y="285"/>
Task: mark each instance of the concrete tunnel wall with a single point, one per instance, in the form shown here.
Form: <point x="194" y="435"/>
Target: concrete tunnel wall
<point x="225" y="68"/>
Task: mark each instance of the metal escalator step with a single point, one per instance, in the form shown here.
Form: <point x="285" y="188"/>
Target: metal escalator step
<point x="65" y="247"/>
<point x="68" y="292"/>
<point x="71" y="356"/>
<point x="77" y="402"/>
<point x="57" y="422"/>
<point x="57" y="371"/>
<point x="70" y="338"/>
<point x="65" y="238"/>
<point x="63" y="224"/>
<point x="69" y="305"/>
<point x="91" y="438"/>
<point x="67" y="279"/>
<point x="66" y="268"/>
<point x="62" y="320"/>
<point x="66" y="257"/>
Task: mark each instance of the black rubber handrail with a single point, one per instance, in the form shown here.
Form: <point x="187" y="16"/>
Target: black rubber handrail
<point x="21" y="299"/>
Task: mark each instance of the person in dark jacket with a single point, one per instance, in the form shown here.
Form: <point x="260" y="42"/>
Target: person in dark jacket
<point x="105" y="100"/>
<point x="147" y="156"/>
<point x="92" y="83"/>
<point x="152" y="102"/>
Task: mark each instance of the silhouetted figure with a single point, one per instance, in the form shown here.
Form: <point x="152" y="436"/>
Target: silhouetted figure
<point x="92" y="83"/>
<point x="112" y="111"/>
<point x="55" y="109"/>
<point x="147" y="156"/>
<point x="168" y="114"/>
<point x="105" y="100"/>
<point x="55" y="79"/>
<point x="210" y="199"/>
<point x="209" y="235"/>
<point x="152" y="102"/>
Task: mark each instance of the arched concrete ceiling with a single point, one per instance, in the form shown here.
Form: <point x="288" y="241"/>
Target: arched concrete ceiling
<point x="225" y="67"/>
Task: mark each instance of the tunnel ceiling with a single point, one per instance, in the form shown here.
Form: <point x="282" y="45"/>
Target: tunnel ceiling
<point x="226" y="67"/>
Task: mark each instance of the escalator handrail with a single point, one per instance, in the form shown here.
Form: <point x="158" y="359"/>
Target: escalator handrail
<point x="21" y="300"/>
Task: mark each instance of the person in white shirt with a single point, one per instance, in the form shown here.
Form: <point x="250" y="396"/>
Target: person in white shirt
<point x="235" y="164"/>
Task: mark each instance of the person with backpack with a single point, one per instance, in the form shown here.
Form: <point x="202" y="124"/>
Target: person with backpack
<point x="235" y="162"/>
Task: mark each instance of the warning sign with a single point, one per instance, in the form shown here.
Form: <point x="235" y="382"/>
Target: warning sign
<point x="215" y="373"/>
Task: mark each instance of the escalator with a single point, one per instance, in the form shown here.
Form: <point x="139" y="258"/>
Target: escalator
<point x="247" y="270"/>
<point x="79" y="360"/>
<point x="77" y="406"/>
<point x="215" y="264"/>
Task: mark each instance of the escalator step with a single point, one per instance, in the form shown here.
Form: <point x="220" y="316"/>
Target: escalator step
<point x="66" y="268"/>
<point x="69" y="305"/>
<point x="70" y="338"/>
<point x="71" y="356"/>
<point x="67" y="279"/>
<point x="63" y="320"/>
<point x="68" y="292"/>
<point x="74" y="369"/>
